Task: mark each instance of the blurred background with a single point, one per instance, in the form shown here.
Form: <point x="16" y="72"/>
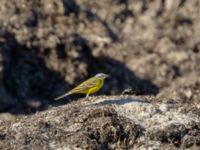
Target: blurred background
<point x="149" y="47"/>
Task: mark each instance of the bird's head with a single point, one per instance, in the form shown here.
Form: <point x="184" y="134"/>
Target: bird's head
<point x="101" y="75"/>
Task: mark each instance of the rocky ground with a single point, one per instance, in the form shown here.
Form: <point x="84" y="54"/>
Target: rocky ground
<point x="106" y="122"/>
<point x="151" y="49"/>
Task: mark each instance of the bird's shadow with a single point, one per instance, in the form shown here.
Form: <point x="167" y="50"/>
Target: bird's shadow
<point x="119" y="101"/>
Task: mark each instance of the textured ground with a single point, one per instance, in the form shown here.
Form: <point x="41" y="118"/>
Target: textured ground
<point x="150" y="48"/>
<point x="114" y="122"/>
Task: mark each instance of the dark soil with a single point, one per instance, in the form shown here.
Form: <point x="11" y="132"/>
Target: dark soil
<point x="90" y="124"/>
<point x="87" y="128"/>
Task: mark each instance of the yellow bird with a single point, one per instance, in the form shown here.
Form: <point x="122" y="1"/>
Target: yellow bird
<point x="88" y="87"/>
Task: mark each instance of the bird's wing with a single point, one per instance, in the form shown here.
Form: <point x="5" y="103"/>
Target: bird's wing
<point x="85" y="85"/>
<point x="81" y="88"/>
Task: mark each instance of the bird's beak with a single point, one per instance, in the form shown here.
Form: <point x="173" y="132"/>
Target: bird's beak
<point x="106" y="76"/>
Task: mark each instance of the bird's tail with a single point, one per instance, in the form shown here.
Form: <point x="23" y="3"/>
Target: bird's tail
<point x="66" y="94"/>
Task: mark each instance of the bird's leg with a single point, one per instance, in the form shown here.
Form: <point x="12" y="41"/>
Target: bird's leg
<point x="87" y="95"/>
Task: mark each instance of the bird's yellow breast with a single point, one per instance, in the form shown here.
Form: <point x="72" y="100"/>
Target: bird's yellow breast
<point x="96" y="88"/>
